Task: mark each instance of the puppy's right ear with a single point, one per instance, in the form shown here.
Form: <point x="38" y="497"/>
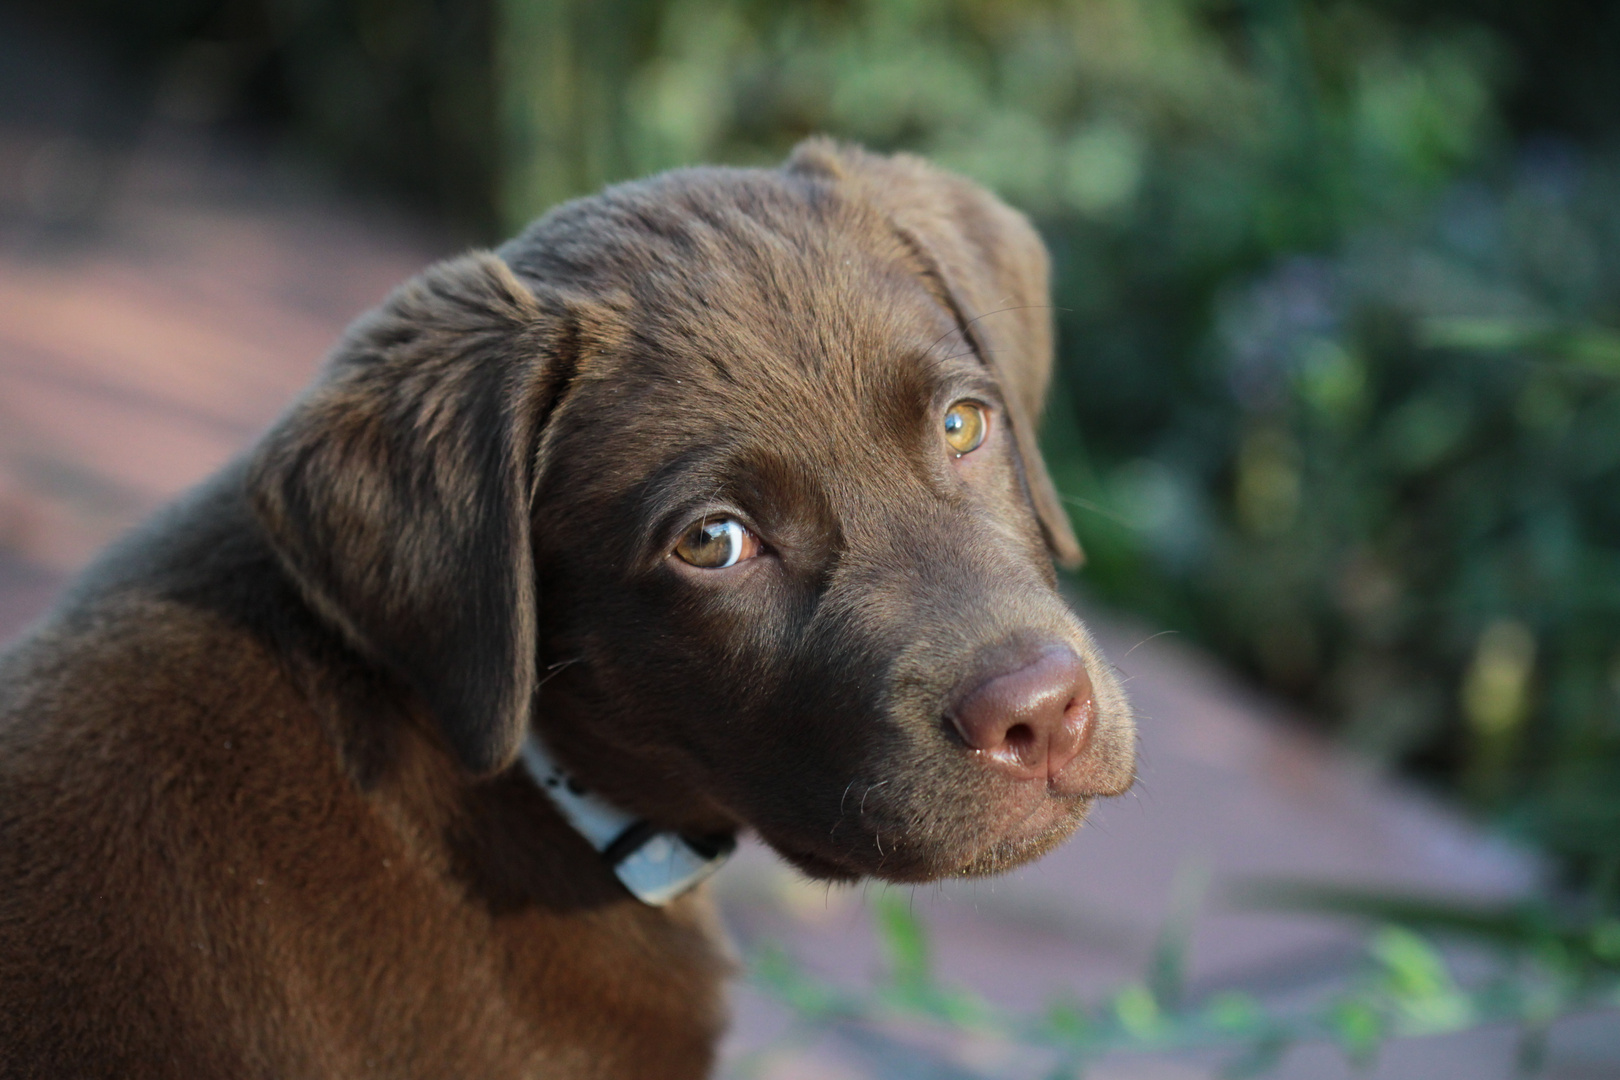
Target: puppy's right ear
<point x="397" y="493"/>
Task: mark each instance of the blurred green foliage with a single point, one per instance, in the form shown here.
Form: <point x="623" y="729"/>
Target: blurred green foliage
<point x="1339" y="331"/>
<point x="1543" y="964"/>
<point x="1272" y="125"/>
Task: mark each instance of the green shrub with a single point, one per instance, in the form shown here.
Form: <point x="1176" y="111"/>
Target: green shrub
<point x="1395" y="496"/>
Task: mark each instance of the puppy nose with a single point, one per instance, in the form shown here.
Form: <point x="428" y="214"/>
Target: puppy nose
<point x="1032" y="721"/>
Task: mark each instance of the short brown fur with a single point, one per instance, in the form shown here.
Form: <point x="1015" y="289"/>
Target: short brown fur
<point x="258" y="809"/>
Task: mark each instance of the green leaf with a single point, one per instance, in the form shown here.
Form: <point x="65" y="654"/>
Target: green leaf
<point x="780" y="975"/>
<point x="1359" y="1030"/>
<point x="1068" y="1022"/>
<point x="1234" y="1012"/>
<point x="904" y="941"/>
<point x="1138" y="1013"/>
<point x="1168" y="970"/>
<point x="1588" y="346"/>
<point x="1420" y="983"/>
<point x="1606" y="941"/>
<point x="1482" y="334"/>
<point x="1517" y="926"/>
<point x="1415" y="967"/>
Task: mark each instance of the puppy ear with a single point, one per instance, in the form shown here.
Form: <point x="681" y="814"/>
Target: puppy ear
<point x="397" y="493"/>
<point x="987" y="264"/>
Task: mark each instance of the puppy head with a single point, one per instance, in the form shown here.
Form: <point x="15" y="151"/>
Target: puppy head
<point x="726" y="481"/>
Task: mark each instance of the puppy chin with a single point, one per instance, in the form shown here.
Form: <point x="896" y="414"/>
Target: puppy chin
<point x="1017" y="834"/>
<point x="1053" y="821"/>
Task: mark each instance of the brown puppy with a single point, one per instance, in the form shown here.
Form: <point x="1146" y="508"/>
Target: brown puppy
<point x="723" y="485"/>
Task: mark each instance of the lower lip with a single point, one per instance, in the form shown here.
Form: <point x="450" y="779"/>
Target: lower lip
<point x="1047" y="814"/>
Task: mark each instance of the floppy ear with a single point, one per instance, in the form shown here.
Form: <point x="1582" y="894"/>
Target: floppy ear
<point x="397" y="493"/>
<point x="987" y="264"/>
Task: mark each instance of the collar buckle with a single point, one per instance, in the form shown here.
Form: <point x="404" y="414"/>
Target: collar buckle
<point x="655" y="865"/>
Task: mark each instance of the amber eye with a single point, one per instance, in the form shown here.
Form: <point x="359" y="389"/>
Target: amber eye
<point x="716" y="543"/>
<point x="965" y="425"/>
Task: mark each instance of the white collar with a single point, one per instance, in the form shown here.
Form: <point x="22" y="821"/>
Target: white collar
<point x="655" y="866"/>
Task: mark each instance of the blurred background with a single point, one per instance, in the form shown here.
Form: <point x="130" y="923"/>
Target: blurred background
<point x="1337" y="286"/>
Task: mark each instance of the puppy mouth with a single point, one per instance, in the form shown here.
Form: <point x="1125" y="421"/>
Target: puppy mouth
<point x="1051" y="809"/>
<point x="1052" y="820"/>
<point x="1016" y="828"/>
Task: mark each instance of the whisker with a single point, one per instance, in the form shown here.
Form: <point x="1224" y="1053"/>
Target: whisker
<point x="1100" y="511"/>
<point x="553" y="670"/>
<point x="867" y="792"/>
<point x="1147" y="639"/>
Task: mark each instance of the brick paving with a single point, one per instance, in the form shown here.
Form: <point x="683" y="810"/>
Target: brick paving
<point x="146" y="344"/>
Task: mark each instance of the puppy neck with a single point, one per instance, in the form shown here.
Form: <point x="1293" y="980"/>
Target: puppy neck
<point x="656" y="866"/>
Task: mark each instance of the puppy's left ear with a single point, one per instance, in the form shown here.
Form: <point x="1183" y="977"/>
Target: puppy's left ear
<point x="397" y="493"/>
<point x="987" y="264"/>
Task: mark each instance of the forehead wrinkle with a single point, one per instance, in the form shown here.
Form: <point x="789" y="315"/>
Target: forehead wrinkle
<point x="856" y="351"/>
<point x="783" y="265"/>
<point x="784" y="328"/>
<point x="755" y="255"/>
<point x="864" y="377"/>
<point x="827" y="341"/>
<point x="798" y="425"/>
<point x="802" y="314"/>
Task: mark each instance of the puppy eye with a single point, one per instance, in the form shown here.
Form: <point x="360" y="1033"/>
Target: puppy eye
<point x="965" y="425"/>
<point x="716" y="543"/>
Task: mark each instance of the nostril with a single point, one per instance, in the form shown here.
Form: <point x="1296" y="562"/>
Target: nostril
<point x="1029" y="721"/>
<point x="1021" y="747"/>
<point x="1020" y="739"/>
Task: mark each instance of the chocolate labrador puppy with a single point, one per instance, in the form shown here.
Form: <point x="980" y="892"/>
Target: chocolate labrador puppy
<point x="397" y="749"/>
